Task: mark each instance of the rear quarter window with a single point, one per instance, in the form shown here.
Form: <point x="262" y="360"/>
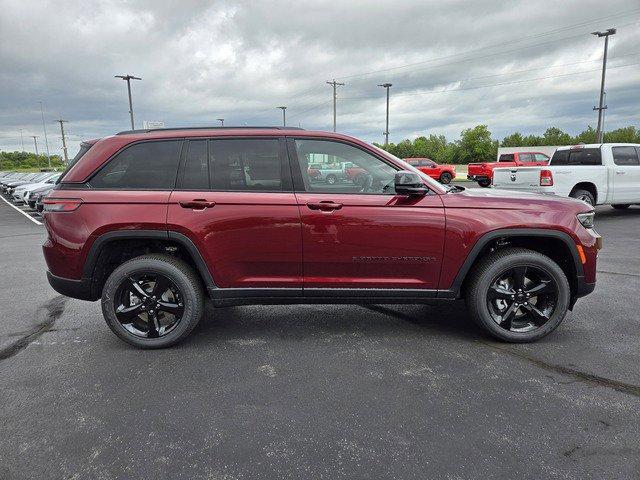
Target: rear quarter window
<point x="144" y="166"/>
<point x="577" y="157"/>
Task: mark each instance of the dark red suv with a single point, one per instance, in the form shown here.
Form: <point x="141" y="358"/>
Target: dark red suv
<point x="152" y="222"/>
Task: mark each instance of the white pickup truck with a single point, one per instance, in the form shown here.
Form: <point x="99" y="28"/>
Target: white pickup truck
<point x="599" y="174"/>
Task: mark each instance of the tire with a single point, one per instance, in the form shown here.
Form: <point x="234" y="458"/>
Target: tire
<point x="621" y="206"/>
<point x="584" y="195"/>
<point x="331" y="179"/>
<point x="445" y="178"/>
<point x="182" y="279"/>
<point x="492" y="267"/>
<point x="484" y="183"/>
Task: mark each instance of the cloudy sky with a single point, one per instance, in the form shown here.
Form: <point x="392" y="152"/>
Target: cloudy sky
<point x="513" y="65"/>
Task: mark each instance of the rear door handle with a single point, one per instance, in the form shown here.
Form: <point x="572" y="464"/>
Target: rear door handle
<point x="325" y="206"/>
<point x="198" y="204"/>
<point x="620" y="172"/>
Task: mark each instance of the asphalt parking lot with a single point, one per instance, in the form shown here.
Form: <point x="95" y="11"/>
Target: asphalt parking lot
<point x="319" y="391"/>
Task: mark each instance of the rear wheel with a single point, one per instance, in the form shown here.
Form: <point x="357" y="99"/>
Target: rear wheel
<point x="484" y="182"/>
<point x="445" y="178"/>
<point x="584" y="195"/>
<point x="152" y="301"/>
<point x="518" y="295"/>
<point x="621" y="206"/>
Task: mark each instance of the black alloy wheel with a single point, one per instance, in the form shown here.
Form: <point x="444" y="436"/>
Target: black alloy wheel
<point x="522" y="298"/>
<point x="148" y="304"/>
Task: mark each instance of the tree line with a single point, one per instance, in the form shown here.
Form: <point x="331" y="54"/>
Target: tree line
<point x="21" y="160"/>
<point x="476" y="144"/>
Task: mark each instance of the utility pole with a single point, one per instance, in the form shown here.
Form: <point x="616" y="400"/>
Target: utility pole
<point x="44" y="127"/>
<point x="21" y="138"/>
<point x="35" y="142"/>
<point x="221" y="120"/>
<point x="284" y="115"/>
<point x="128" y="79"/>
<point x="386" y="131"/>
<point x="335" y="84"/>
<point x="603" y="112"/>
<point x="64" y="140"/>
<point x="601" y="108"/>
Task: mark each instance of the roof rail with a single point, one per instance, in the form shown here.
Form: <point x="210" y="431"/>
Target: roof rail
<point x="147" y="130"/>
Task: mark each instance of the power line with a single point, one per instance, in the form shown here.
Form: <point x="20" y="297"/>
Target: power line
<point x="496" y="45"/>
<point x="493" y="84"/>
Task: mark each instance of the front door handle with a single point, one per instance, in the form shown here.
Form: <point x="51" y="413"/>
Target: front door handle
<point x="325" y="206"/>
<point x="198" y="204"/>
<point x="620" y="172"/>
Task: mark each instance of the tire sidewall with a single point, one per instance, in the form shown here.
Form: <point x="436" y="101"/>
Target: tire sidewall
<point x="192" y="310"/>
<point x="445" y="178"/>
<point x="505" y="263"/>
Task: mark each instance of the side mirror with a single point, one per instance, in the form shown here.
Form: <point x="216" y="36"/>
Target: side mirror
<point x="409" y="183"/>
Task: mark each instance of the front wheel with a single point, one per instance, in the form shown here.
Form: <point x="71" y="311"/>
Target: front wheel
<point x="445" y="178"/>
<point x="331" y="179"/>
<point x="484" y="182"/>
<point x="518" y="295"/>
<point x="621" y="206"/>
<point x="152" y="301"/>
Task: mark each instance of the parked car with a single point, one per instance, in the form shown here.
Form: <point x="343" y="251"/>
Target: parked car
<point x="9" y="186"/>
<point x="483" y="172"/>
<point x="329" y="173"/>
<point x="599" y="174"/>
<point x="194" y="226"/>
<point x="36" y="194"/>
<point x="443" y="173"/>
<point x="21" y="193"/>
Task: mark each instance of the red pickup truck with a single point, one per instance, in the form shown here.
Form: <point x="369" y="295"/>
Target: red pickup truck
<point x="483" y="172"/>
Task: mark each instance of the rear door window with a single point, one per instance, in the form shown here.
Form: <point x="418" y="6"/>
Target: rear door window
<point x="142" y="166"/>
<point x="625" y="155"/>
<point x="577" y="157"/>
<point x="246" y="164"/>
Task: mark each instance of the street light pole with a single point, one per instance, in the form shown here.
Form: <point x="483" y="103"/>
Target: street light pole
<point x="284" y="115"/>
<point x="44" y="127"/>
<point x="602" y="107"/>
<point x="221" y="120"/>
<point x="35" y="142"/>
<point x="386" y="131"/>
<point x="335" y="84"/>
<point x="21" y="139"/>
<point x="128" y="79"/>
<point x="64" y="140"/>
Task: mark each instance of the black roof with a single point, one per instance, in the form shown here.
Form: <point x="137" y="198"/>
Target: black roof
<point x="217" y="127"/>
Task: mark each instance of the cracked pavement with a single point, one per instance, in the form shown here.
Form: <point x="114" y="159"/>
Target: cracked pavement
<point x="319" y="391"/>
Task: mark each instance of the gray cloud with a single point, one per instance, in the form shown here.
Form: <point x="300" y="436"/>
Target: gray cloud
<point x="520" y="65"/>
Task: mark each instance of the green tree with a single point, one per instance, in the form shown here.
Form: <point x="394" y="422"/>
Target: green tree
<point x="513" y="140"/>
<point x="586" y="136"/>
<point x="623" y="135"/>
<point x="476" y="145"/>
<point x="555" y="136"/>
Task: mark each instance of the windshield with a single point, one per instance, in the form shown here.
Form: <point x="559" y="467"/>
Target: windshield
<point x="434" y="185"/>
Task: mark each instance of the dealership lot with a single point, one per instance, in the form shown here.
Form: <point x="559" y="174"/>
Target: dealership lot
<point x="319" y="391"/>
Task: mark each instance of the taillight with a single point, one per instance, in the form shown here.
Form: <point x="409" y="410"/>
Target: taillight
<point x="61" y="204"/>
<point x="546" y="178"/>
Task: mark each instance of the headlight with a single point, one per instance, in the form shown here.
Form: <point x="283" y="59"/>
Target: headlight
<point x="586" y="219"/>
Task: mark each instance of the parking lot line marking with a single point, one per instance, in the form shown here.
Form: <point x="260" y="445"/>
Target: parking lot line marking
<point x="22" y="212"/>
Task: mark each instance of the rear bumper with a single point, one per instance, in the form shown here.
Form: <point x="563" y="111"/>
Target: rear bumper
<point x="475" y="178"/>
<point x="80" y="289"/>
